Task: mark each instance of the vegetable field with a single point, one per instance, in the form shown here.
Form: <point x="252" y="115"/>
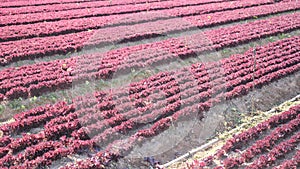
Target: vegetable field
<point x="131" y="83"/>
<point x="263" y="145"/>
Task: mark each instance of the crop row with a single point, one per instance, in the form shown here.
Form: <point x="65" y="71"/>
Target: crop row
<point x="262" y="145"/>
<point x="89" y="4"/>
<point x="278" y="136"/>
<point x="277" y="152"/>
<point x="32" y="80"/>
<point x="33" y="4"/>
<point x="28" y="48"/>
<point x="156" y="128"/>
<point x="46" y="160"/>
<point x="143" y="133"/>
<point x="29" y="8"/>
<point x="187" y="88"/>
<point x="120" y="33"/>
<point x="176" y="106"/>
<point x="82" y="13"/>
<point x="283" y="65"/>
<point x="49" y="112"/>
<point x="31" y="48"/>
<point x="150" y="133"/>
<point x="39" y="111"/>
<point x="241" y="139"/>
<point x="239" y="14"/>
<point x="291" y="163"/>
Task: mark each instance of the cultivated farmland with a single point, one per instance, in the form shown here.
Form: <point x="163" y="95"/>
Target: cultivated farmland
<point x="139" y="83"/>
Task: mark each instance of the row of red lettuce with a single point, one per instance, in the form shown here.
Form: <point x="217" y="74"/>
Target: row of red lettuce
<point x="36" y="79"/>
<point x="71" y="117"/>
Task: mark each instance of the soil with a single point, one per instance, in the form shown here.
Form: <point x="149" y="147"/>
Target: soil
<point x="186" y="135"/>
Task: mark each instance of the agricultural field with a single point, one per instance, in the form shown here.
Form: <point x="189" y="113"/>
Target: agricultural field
<point x="138" y="84"/>
<point x="270" y="138"/>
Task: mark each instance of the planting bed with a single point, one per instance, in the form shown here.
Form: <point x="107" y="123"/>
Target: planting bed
<point x="119" y="125"/>
<point x="271" y="143"/>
